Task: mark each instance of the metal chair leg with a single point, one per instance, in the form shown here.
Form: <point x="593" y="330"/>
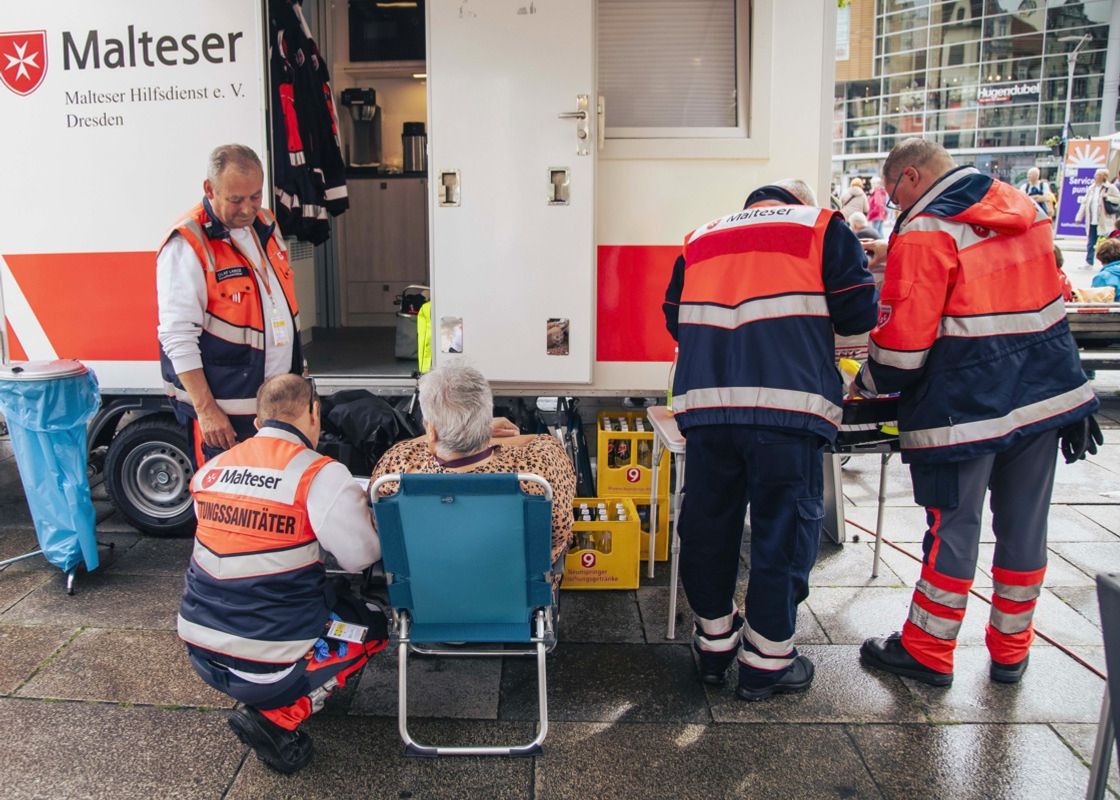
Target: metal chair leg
<point x="879" y="516"/>
<point x="1102" y="752"/>
<point x="675" y="547"/>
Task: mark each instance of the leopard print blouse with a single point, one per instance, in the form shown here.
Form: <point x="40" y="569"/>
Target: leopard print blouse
<point x="542" y="455"/>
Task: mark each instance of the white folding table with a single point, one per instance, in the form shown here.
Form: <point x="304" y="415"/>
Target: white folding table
<point x="666" y="436"/>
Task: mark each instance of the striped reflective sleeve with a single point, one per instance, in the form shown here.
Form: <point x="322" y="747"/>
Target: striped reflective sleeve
<point x="984" y="429"/>
<point x="760" y="397"/>
<point x="282" y="652"/>
<point x="940" y="627"/>
<point x="1015" y="593"/>
<point x="791" y="305"/>
<point x="248" y="565"/>
<point x="942" y="597"/>
<point x="1005" y="324"/>
<point x="1010" y="624"/>
<point x="237" y="407"/>
<point x="899" y="359"/>
<point x="234" y="334"/>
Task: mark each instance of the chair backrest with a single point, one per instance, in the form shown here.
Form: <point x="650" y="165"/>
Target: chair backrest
<point x="1108" y="595"/>
<point x="468" y="556"/>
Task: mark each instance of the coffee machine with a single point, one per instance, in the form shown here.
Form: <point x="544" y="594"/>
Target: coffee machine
<point x="365" y="127"/>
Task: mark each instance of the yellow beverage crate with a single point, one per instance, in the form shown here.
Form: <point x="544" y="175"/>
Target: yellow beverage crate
<point x="662" y="552"/>
<point x="625" y="456"/>
<point x="604" y="553"/>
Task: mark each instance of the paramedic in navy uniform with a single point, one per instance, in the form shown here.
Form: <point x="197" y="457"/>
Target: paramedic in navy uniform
<point x="754" y="301"/>
<point x="228" y="317"/>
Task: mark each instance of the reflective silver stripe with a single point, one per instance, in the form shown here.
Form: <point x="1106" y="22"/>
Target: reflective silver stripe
<point x="964" y="236"/>
<point x="297" y="158"/>
<point x="1017" y="594"/>
<point x="768" y="647"/>
<point x="866" y="379"/>
<point x="716" y="626"/>
<point x="899" y="359"/>
<point x="1011" y="623"/>
<point x="805" y="305"/>
<point x="283" y="489"/>
<point x="996" y="324"/>
<point x="232" y="333"/>
<point x="249" y="564"/>
<point x="335" y="193"/>
<point x="932" y="624"/>
<point x="239" y="407"/>
<point x="239" y="646"/>
<point x="984" y="429"/>
<point x="193" y="226"/>
<point x="941" y="596"/>
<point x="753" y="659"/>
<point x="760" y="397"/>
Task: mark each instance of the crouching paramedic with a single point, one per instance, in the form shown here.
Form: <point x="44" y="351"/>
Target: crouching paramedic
<point x="260" y="619"/>
<point x="754" y="300"/>
<point x="972" y="331"/>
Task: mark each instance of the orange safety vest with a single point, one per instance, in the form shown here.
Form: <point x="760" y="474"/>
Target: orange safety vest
<point x="233" y="340"/>
<point x="255" y="587"/>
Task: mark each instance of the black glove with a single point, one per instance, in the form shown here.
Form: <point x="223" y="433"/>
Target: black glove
<point x="1080" y="438"/>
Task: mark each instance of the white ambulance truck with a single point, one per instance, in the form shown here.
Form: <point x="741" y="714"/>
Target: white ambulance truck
<point x="540" y="209"/>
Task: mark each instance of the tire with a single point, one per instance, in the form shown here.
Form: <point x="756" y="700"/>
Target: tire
<point x="148" y="473"/>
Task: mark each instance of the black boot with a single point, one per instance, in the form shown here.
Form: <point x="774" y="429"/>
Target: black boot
<point x="284" y="750"/>
<point x="888" y="654"/>
<point x="797" y="677"/>
<point x="1009" y="673"/>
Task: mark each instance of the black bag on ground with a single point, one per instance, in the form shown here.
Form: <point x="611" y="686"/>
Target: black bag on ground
<point x="364" y="421"/>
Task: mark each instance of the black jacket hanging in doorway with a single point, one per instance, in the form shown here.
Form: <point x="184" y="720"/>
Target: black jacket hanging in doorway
<point x="309" y="176"/>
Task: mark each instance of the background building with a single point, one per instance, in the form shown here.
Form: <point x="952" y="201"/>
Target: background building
<point x="986" y="78"/>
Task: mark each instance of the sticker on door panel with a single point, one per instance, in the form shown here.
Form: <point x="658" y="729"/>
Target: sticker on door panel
<point x="451" y="334"/>
<point x="556" y="338"/>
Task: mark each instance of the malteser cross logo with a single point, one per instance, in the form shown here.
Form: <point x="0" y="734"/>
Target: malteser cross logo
<point x="23" y="60"/>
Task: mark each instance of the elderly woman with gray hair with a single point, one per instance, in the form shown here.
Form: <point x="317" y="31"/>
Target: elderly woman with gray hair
<point x="462" y="435"/>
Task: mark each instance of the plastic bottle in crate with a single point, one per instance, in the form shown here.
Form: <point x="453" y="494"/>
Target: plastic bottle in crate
<point x="645" y="453"/>
<point x="603" y="541"/>
<point x="622" y="454"/>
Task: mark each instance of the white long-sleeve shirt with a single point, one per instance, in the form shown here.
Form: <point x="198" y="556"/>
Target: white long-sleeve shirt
<point x="181" y="296"/>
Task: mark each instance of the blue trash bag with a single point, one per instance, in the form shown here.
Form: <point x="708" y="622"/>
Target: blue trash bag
<point x="47" y="422"/>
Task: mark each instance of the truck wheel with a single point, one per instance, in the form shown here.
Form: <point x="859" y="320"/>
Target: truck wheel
<point x="148" y="474"/>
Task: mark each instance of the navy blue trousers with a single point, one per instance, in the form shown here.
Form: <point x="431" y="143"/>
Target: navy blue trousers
<point x="779" y="472"/>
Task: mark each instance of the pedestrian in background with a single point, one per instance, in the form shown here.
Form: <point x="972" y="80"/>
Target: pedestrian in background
<point x="854" y="199"/>
<point x="1100" y="207"/>
<point x="877" y="205"/>
<point x="1038" y="190"/>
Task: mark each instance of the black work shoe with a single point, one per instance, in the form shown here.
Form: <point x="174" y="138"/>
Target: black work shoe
<point x="283" y="750"/>
<point x="1009" y="673"/>
<point x="888" y="654"/>
<point x="713" y="665"/>
<point x="797" y="677"/>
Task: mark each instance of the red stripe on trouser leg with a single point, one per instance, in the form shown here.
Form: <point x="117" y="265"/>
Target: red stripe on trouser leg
<point x="289" y="717"/>
<point x="934" y="532"/>
<point x="196" y="440"/>
<point x="927" y="650"/>
<point x="1008" y="648"/>
<point x="1012" y="607"/>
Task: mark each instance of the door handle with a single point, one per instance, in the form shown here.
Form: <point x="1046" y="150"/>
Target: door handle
<point x="583" y="120"/>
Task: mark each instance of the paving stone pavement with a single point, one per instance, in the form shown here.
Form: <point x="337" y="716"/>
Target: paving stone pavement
<point x="98" y="700"/>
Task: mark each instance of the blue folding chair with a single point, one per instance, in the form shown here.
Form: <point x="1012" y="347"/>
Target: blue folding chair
<point x="468" y="559"/>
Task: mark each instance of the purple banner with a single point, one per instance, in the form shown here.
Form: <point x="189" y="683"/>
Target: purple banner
<point x="1083" y="158"/>
<point x="1075" y="183"/>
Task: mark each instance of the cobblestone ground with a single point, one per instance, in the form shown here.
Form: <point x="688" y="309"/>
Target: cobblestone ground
<point x="98" y="700"/>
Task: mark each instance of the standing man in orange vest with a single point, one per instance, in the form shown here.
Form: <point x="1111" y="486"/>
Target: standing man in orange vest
<point x="755" y="300"/>
<point x="260" y="619"/>
<point x="228" y="316"/>
<point x="972" y="333"/>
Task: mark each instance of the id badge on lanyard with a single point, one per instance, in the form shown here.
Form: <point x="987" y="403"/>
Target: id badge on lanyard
<point x="280" y="326"/>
